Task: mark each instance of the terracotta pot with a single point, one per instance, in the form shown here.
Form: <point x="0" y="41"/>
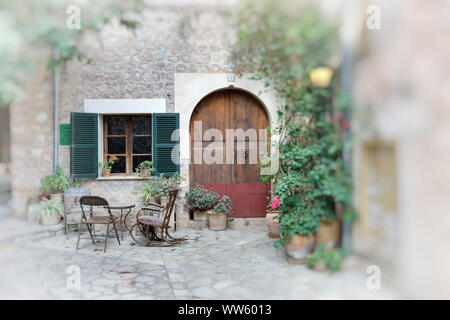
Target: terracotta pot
<point x="144" y="171"/>
<point x="298" y="247"/>
<point x="217" y="221"/>
<point x="107" y="173"/>
<point x="50" y="219"/>
<point x="329" y="232"/>
<point x="200" y="215"/>
<point x="43" y="197"/>
<point x="321" y="266"/>
<point x="273" y="225"/>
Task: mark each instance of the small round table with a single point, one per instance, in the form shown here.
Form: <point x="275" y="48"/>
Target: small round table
<point x="122" y="207"/>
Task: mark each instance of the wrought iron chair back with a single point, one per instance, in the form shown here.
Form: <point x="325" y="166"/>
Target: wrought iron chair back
<point x="169" y="207"/>
<point x="149" y="226"/>
<point x="68" y="194"/>
<point x="94" y="201"/>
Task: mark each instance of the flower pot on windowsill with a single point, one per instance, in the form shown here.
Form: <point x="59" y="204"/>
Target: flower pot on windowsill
<point x="107" y="173"/>
<point x="143" y="171"/>
<point x="217" y="221"/>
<point x="273" y="225"/>
<point x="298" y="247"/>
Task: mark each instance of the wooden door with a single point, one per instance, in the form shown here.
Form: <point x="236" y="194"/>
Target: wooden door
<point x="230" y="109"/>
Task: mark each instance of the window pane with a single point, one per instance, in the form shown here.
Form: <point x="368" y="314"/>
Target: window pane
<point x="138" y="159"/>
<point x="142" y="125"/>
<point x="116" y="145"/>
<point x="142" y="145"/>
<point x="119" y="165"/>
<point x="116" y="125"/>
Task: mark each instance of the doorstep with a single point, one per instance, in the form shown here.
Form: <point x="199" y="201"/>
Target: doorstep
<point x="237" y="223"/>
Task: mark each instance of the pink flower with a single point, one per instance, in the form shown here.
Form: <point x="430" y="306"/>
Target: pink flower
<point x="275" y="203"/>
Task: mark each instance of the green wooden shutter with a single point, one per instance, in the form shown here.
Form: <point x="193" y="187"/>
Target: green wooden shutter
<point x="64" y="134"/>
<point x="84" y="145"/>
<point x="164" y="125"/>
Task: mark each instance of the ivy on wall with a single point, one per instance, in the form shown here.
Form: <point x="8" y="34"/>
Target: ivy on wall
<point x="42" y="27"/>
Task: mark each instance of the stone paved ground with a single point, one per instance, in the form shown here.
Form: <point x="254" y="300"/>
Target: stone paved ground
<point x="231" y="264"/>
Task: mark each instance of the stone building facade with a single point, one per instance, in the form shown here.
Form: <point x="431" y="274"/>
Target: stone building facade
<point x="172" y="41"/>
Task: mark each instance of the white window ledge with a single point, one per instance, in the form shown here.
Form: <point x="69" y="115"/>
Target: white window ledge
<point x="124" y="106"/>
<point x="119" y="178"/>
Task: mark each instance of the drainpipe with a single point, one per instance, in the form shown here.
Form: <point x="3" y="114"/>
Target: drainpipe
<point x="55" y="113"/>
<point x="346" y="81"/>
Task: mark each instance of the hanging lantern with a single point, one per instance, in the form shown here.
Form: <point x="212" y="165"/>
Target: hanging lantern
<point x="321" y="76"/>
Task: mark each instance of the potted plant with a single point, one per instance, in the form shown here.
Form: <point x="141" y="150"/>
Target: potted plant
<point x="200" y="200"/>
<point x="324" y="258"/>
<point x="55" y="184"/>
<point x="273" y="225"/>
<point x="329" y="231"/>
<point x="156" y="189"/>
<point x="51" y="211"/>
<point x="218" y="216"/>
<point x="106" y="166"/>
<point x="145" y="169"/>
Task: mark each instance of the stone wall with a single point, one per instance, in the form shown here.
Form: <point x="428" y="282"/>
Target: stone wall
<point x="402" y="80"/>
<point x="118" y="64"/>
<point x="31" y="126"/>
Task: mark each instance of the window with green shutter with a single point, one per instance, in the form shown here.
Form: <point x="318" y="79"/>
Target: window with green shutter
<point x="84" y="145"/>
<point x="166" y="143"/>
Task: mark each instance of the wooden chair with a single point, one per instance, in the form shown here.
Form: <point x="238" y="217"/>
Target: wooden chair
<point x="146" y="224"/>
<point x="93" y="220"/>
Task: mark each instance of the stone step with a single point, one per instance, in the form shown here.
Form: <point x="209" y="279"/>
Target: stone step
<point x="236" y="223"/>
<point x="198" y="224"/>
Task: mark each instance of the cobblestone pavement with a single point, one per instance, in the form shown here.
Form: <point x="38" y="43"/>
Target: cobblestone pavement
<point x="231" y="264"/>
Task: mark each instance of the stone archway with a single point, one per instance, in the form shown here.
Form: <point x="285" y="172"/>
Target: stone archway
<point x="243" y="116"/>
<point x="190" y="89"/>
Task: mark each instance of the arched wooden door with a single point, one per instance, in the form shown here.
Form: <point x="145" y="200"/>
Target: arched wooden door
<point x="230" y="109"/>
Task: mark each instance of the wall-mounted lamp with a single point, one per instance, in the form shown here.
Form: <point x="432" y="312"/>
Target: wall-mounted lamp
<point x="321" y="76"/>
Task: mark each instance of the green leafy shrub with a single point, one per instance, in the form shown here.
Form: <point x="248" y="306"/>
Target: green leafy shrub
<point x="280" y="43"/>
<point x="157" y="187"/>
<point x="224" y="204"/>
<point x="200" y="198"/>
<point x="52" y="207"/>
<point x="58" y="182"/>
<point x="174" y="181"/>
<point x="332" y="258"/>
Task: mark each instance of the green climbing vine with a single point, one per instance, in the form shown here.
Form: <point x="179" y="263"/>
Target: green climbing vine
<point x="281" y="44"/>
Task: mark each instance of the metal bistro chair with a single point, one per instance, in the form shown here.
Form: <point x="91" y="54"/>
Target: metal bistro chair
<point x="146" y="224"/>
<point x="72" y="193"/>
<point x="93" y="220"/>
